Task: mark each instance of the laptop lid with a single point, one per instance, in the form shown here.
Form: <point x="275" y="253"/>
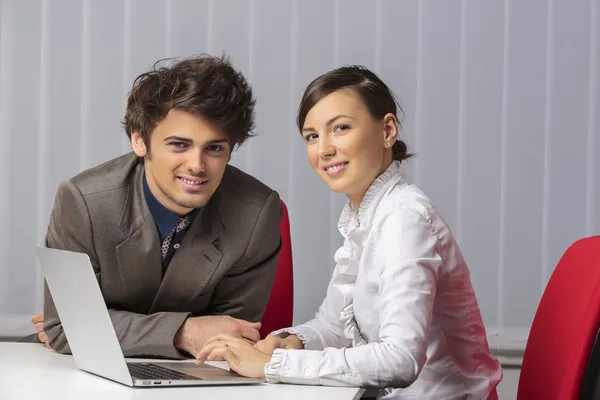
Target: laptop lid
<point x="83" y="313"/>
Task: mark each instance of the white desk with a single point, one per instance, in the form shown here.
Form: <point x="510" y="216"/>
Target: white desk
<point x="30" y="371"/>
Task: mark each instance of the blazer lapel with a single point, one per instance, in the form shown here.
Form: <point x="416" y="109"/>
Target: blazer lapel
<point x="194" y="263"/>
<point x="138" y="256"/>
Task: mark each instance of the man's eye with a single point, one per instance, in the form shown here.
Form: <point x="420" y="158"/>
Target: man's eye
<point x="178" y="145"/>
<point x="215" y="148"/>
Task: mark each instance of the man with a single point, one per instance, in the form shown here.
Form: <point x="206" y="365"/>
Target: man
<point x="181" y="242"/>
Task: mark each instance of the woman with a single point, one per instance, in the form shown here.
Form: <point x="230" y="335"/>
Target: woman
<point x="400" y="312"/>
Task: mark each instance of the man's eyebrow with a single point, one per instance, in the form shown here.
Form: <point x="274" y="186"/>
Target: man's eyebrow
<point x="178" y="138"/>
<point x="216" y="141"/>
<point x="190" y="141"/>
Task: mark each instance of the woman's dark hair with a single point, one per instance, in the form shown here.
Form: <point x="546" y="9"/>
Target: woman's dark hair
<point x="376" y="95"/>
<point x="205" y="86"/>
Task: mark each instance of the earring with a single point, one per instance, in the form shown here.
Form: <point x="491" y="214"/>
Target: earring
<point x="388" y="144"/>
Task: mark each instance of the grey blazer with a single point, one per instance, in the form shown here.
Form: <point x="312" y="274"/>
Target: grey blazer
<point x="225" y="266"/>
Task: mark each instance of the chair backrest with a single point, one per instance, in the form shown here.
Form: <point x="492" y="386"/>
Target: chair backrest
<point x="280" y="308"/>
<point x="590" y="385"/>
<point x="565" y="326"/>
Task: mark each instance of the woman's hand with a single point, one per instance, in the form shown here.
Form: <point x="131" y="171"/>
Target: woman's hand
<point x="241" y="356"/>
<point x="270" y="343"/>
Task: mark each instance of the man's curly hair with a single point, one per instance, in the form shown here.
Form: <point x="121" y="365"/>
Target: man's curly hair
<point x="205" y="86"/>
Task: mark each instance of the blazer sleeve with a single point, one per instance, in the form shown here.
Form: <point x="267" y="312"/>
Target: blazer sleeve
<point x="70" y="228"/>
<point x="244" y="291"/>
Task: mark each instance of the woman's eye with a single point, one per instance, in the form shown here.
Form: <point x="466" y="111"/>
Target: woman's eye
<point x="341" y="127"/>
<point x="310" y="137"/>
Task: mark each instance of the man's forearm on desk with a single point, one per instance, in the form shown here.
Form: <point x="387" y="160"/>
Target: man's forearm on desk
<point x="138" y="334"/>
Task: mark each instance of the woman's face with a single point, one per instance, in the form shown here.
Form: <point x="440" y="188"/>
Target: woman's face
<point x="345" y="145"/>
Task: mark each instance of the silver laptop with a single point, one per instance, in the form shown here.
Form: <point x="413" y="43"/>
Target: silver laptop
<point x="92" y="338"/>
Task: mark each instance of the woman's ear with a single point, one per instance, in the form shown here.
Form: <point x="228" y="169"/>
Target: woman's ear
<point x="390" y="128"/>
<point x="138" y="145"/>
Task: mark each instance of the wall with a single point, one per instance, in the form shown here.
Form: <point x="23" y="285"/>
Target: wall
<point x="501" y="102"/>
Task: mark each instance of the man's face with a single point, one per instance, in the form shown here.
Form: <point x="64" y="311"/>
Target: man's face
<point x="185" y="161"/>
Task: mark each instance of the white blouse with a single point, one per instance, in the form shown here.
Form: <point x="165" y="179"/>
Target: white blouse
<point x="400" y="312"/>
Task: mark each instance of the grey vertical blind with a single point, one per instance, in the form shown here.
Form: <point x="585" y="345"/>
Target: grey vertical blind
<point x="501" y="101"/>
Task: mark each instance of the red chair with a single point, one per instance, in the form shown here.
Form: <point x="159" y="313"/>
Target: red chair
<point x="564" y="328"/>
<point x="280" y="308"/>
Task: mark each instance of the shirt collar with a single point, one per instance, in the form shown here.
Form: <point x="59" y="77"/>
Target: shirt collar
<point x="368" y="204"/>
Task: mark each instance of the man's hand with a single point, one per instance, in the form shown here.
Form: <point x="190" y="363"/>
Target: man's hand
<point x="285" y="341"/>
<point x="38" y="321"/>
<point x="194" y="332"/>
<point x="241" y="356"/>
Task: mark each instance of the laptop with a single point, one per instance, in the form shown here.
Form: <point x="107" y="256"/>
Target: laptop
<point x="92" y="338"/>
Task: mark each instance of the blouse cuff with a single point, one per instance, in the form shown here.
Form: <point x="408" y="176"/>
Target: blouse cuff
<point x="273" y="367"/>
<point x="302" y="335"/>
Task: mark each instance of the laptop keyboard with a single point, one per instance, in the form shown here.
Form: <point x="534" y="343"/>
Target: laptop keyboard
<point x="153" y="371"/>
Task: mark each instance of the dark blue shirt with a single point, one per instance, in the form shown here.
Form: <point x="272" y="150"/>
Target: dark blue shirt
<point x="165" y="220"/>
